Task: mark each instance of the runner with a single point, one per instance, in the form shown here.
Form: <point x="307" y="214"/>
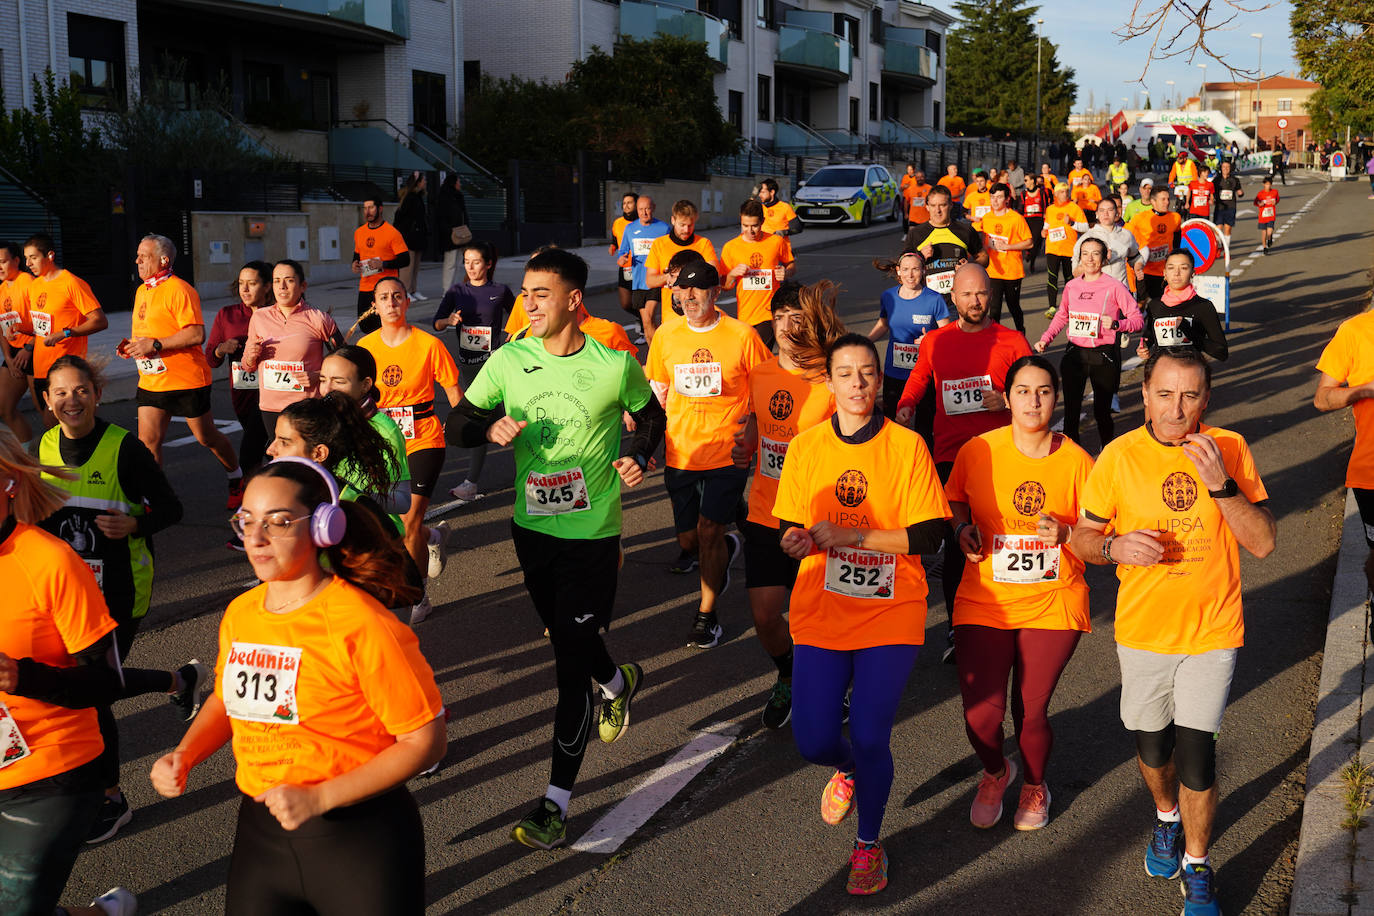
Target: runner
<point x="352" y="371"/>
<point x="916" y="211"/>
<point x="567" y="523"/>
<point x="1229" y="191"/>
<point x="1022" y="604"/>
<point x="789" y="395"/>
<point x="905" y="186"/>
<point x="228" y="336"/>
<point x="955" y="185"/>
<point x="1008" y="237"/>
<point x="778" y="216"/>
<point x="1078" y="175"/>
<point x="978" y="200"/>
<point x="1179" y="317"/>
<point x="14" y="312"/>
<point x="1087" y="197"/>
<point x="1095" y="309"/>
<point x="634" y="248"/>
<point x="1047" y="179"/>
<point x="57" y="661"/>
<point x="323" y="746"/>
<point x="1200" y="194"/>
<point x="945" y="243"/>
<point x="119" y="499"/>
<point x="379" y="251"/>
<point x="755" y="263"/>
<point x="1180" y="497"/>
<point x="1140" y="204"/>
<point x="964" y="363"/>
<point x="1125" y="261"/>
<point x="1157" y="232"/>
<point x="1063" y="221"/>
<point x="859" y="617"/>
<point x="699" y="368"/>
<point x="475" y="310"/>
<point x="681" y="236"/>
<point x="1267" y="205"/>
<point x="625" y="284"/>
<point x="1035" y="200"/>
<point x="411" y="363"/>
<point x="907" y="311"/>
<point x="1345" y="373"/>
<point x="63" y="312"/>
<point x="1181" y="174"/>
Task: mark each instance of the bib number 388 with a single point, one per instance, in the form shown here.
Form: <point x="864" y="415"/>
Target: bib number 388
<point x="860" y="573"/>
<point x="260" y="683"/>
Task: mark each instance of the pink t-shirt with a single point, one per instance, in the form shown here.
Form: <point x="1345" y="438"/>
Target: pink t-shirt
<point x="280" y="347"/>
<point x="1088" y="309"/>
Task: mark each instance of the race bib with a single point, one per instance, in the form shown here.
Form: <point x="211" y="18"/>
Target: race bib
<point x="627" y="274"/>
<point x="1265" y="214"/>
<point x="964" y="395"/>
<point x="980" y="212"/>
<point x="478" y="339"/>
<point x="1169" y="332"/>
<point x="1058" y="234"/>
<point x="405" y="419"/>
<point x="556" y="493"/>
<point x="918" y="201"/>
<point x="641" y="247"/>
<point x="996" y="239"/>
<point x="1225" y="194"/>
<point x="1200" y="199"/>
<point x="42" y="323"/>
<point x="904" y="354"/>
<point x="858" y="573"/>
<point x="771" y="455"/>
<point x="1033" y="209"/>
<point x="97" y="569"/>
<point x="1085" y="324"/>
<point x="150" y="365"/>
<point x="942" y="282"/>
<point x="760" y="281"/>
<point x="243" y="379"/>
<point x="697" y="380"/>
<point x="1023" y="559"/>
<point x="13" y="747"/>
<point x="279" y="375"/>
<point x="367" y="271"/>
<point x="7" y="322"/>
<point x="1157" y="253"/>
<point x="260" y="683"/>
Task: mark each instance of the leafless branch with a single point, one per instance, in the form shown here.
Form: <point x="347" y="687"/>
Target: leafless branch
<point x="1179" y="28"/>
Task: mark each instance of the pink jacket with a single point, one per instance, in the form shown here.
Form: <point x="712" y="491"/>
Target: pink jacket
<point x="1099" y="302"/>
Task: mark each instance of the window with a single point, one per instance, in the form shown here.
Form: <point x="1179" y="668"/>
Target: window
<point x="933" y="40"/>
<point x="472" y="77"/>
<point x="853" y="115"/>
<point x="764" y="15"/>
<point x="736" y="106"/>
<point x="429" y="101"/>
<point x="728" y="11"/>
<point x="765" y="98"/>
<point x="935" y="120"/>
<point x="872" y="101"/>
<point x="1285" y="106"/>
<point x="875" y="25"/>
<point x="891" y="106"/>
<point x="847" y="27"/>
<point x="95" y="49"/>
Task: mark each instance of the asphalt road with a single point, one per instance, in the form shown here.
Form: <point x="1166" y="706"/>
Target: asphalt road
<point x="744" y="835"/>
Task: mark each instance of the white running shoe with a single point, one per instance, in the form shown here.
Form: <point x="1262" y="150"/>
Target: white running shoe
<point x="466" y="491"/>
<point x="418" y="296"/>
<point x="438" y="549"/>
<point x="117" y="902"/>
<point x="418" y="612"/>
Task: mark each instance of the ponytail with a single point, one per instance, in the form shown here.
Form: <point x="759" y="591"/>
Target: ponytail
<point x="819" y="327"/>
<point x="357" y="452"/>
<point x="372" y="559"/>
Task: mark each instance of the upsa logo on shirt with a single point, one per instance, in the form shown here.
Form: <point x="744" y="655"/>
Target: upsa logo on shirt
<point x="370" y="242"/>
<point x="1029" y="498"/>
<point x="780" y="405"/>
<point x="851" y="488"/>
<point x="392" y="375"/>
<point x="756" y="260"/>
<point x="42" y="301"/>
<point x="703" y="356"/>
<point x="1179" y="491"/>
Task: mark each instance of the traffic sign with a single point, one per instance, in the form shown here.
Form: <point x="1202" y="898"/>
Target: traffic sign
<point x="1201" y="242"/>
<point x="1283" y="122"/>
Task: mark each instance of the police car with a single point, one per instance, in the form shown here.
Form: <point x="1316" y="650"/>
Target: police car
<point x="850" y="193"/>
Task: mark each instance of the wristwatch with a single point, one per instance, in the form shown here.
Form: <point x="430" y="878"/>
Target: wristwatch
<point x="1107" y="548"/>
<point x="157" y="345"/>
<point x="1228" y="489"/>
<point x="860" y="542"/>
<point x="66" y="332"/>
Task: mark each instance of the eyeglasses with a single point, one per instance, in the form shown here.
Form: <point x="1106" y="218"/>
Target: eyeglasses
<point x="276" y="525"/>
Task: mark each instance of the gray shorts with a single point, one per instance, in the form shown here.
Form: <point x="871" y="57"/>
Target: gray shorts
<point x="1187" y="690"/>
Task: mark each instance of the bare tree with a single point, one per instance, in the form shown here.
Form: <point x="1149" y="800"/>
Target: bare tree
<point x="1179" y="28"/>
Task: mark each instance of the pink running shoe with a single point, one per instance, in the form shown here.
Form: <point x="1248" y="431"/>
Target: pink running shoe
<point x="1033" y="810"/>
<point x="986" y="809"/>
<point x="867" y="869"/>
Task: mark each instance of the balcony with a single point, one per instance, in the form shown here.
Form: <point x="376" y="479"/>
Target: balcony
<point x="369" y="20"/>
<point x="644" y="20"/>
<point x="908" y="64"/>
<point x="819" y="56"/>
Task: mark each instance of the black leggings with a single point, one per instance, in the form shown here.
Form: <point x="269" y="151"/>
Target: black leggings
<point x="1036" y="224"/>
<point x="137" y="681"/>
<point x="1101" y="366"/>
<point x="253" y="444"/>
<point x="952" y="568"/>
<point x="1193" y="752"/>
<point x="363" y="858"/>
<point x="1010" y="292"/>
<point x="1056" y="265"/>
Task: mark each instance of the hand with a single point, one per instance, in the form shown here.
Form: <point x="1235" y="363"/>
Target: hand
<point x="9" y="674"/>
<point x="53" y="340"/>
<point x="825" y="534"/>
<point x="628" y="421"/>
<point x="115" y="524"/>
<point x="229" y="346"/>
<point x="1141" y="350"/>
<point x="1206" y="456"/>
<point x="797" y="543"/>
<point x="374" y="263"/>
<point x="779" y="274"/>
<point x="1138" y="548"/>
<point x="17" y="362"/>
<point x="746" y="442"/>
<point x="356" y="267"/>
<point x="504" y="430"/>
<point x="1140" y="273"/>
<point x="927" y="251"/>
<point x="140" y="347"/>
<point x="1048" y="529"/>
<point x="737" y="271"/>
<point x="971" y="543"/>
<point x="904" y="415"/>
<point x="302" y="378"/>
<point x="611" y="250"/>
<point x="624" y="260"/>
<point x="292" y="805"/>
<point x="1039" y="346"/>
<point x="1044" y="233"/>
<point x="169" y="774"/>
<point x="994" y="399"/>
<point x="629" y="471"/>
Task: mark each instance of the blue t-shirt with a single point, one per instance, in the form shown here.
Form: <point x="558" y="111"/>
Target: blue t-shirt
<point x="484" y="310"/>
<point x="908" y="320"/>
<point x="636" y="243"/>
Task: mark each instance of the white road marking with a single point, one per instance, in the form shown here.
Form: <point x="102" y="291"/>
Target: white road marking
<point x="436" y="511"/>
<point x="224" y="426"/>
<point x="656" y="790"/>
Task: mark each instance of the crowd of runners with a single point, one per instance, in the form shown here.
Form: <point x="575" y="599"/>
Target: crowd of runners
<point x="846" y="471"/>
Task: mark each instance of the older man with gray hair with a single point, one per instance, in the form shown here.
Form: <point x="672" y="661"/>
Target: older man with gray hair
<point x="173" y="375"/>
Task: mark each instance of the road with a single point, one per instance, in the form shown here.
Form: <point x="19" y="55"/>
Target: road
<point x="743" y="835"/>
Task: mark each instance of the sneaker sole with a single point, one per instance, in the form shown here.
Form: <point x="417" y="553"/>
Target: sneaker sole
<point x="862" y="892"/>
<point x="114" y="828"/>
<point x="634" y="689"/>
<point x="524" y="839"/>
<point x="1176" y="873"/>
<point x="781" y="725"/>
<point x="716" y="633"/>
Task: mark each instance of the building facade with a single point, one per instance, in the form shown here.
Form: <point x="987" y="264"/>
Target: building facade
<point x="1272" y="109"/>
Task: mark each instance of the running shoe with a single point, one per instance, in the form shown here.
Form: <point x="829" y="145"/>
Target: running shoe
<point x="117" y="902"/>
<point x="236" y="485"/>
<point x="685" y="563"/>
<point x="837" y="797"/>
<point x="1033" y="810"/>
<point x="1164" y="854"/>
<point x="732" y="546"/>
<point x="418" y="296"/>
<point x="986" y="809"/>
<point x="418" y="612"/>
<point x="542" y="828"/>
<point x="438" y="549"/>
<point x="112" y="815"/>
<point x="706" y="631"/>
<point x="1051" y="312"/>
<point x="466" y="491"/>
<point x="948" y="655"/>
<point x="778" y="711"/>
<point x="1199" y="890"/>
<point x="615" y="713"/>
<point x="196" y="680"/>
<point x="867" y="869"/>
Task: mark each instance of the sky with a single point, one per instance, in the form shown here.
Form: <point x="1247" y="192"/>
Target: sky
<point x="1107" y="67"/>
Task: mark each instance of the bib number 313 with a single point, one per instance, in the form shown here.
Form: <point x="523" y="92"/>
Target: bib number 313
<point x="260" y="683"/>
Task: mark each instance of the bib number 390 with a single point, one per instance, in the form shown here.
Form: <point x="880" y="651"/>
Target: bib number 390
<point x="860" y="573"/>
<point x="697" y="380"/>
<point x="260" y="683"/>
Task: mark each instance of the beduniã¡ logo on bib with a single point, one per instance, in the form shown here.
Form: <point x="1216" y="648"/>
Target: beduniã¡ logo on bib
<point x="780" y="404"/>
<point x="851" y="488"/>
<point x="1029" y="498"/>
<point x="1179" y="491"/>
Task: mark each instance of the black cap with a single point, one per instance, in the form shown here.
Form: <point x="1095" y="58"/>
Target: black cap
<point x="698" y="276"/>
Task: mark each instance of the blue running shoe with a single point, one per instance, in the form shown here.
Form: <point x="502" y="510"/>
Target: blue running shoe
<point x="1199" y="891"/>
<point x="1164" y="855"/>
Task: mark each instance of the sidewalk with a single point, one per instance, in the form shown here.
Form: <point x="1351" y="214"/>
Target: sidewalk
<point x="340" y="297"/>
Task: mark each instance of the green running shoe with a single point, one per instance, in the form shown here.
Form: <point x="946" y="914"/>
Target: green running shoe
<point x="542" y="828"/>
<point x="615" y="714"/>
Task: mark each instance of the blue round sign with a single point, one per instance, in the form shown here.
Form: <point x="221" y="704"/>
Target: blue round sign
<point x="1202" y="244"/>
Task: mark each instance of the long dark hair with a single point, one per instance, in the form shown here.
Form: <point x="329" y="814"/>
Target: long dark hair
<point x="356" y="450"/>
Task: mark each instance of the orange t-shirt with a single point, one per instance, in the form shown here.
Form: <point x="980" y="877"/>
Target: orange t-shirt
<point x="917" y="212"/>
<point x="754" y="290"/>
<point x="1087" y="196"/>
<point x="618" y="227"/>
<point x="977" y="204"/>
<point x="519" y="319"/>
<point x="161" y="311"/>
<point x="1048" y="180"/>
<point x="384" y="242"/>
<point x="907" y="183"/>
<point x="1079" y="177"/>
<point x="847" y="598"/>
<point x="706" y="376"/>
<point x="777" y="216"/>
<point x="52" y="610"/>
<point x="317" y="692"/>
<point x="785" y="403"/>
<point x="1189" y="602"/>
<point x="609" y="333"/>
<point x="406" y="376"/>
<point x="1059" y="231"/>
<point x="1154" y="233"/>
<point x="1021" y="583"/>
<point x="14" y="308"/>
<point x="55" y="304"/>
<point x="1349" y="358"/>
<point x="662" y="251"/>
<point x="1011" y="227"/>
<point x="955" y="184"/>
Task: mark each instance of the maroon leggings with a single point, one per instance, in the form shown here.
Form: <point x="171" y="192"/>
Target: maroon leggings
<point x="1034" y="659"/>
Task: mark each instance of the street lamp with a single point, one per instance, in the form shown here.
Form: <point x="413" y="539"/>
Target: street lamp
<point x="1259" y="76"/>
<point x="1169" y="102"/>
<point x="1202" y="93"/>
<point x="1035" y="150"/>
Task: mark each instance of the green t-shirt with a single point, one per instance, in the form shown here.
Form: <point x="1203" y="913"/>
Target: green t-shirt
<point x="1134" y="207"/>
<point x="396" y="444"/>
<point x="565" y="485"/>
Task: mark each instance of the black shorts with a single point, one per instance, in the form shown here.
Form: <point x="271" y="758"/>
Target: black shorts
<point x="642" y="298"/>
<point x="425" y="466"/>
<point x="715" y="494"/>
<point x="184" y="402"/>
<point x="1225" y="217"/>
<point x="765" y="564"/>
<point x="624" y="282"/>
<point x="1266" y="224"/>
<point x="1365" y="500"/>
<point x="568" y="578"/>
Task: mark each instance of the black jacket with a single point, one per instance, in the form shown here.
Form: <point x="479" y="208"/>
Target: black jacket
<point x="453" y="211"/>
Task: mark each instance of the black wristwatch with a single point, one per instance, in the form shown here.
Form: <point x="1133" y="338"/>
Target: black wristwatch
<point x="1228" y="489"/>
<point x="157" y="345"/>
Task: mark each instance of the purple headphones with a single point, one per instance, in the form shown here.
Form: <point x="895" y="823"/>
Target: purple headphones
<point x="327" y="521"/>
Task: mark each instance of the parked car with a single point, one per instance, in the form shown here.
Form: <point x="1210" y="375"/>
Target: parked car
<point x="850" y="193"/>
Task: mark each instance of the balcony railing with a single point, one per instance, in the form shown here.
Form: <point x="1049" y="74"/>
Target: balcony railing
<point x="644" y="20"/>
<point x="387" y="15"/>
<point x="907" y="59"/>
<point x="824" y="54"/>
